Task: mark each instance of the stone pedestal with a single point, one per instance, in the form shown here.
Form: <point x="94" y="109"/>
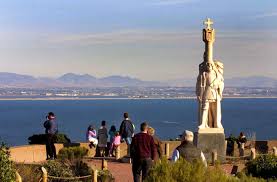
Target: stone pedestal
<point x="210" y="139"/>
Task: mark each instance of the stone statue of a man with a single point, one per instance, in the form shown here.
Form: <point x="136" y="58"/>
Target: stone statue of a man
<point x="209" y="88"/>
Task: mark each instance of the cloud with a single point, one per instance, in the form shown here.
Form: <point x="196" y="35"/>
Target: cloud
<point x="146" y="37"/>
<point x="172" y="2"/>
<point x="265" y="15"/>
<point x="122" y="37"/>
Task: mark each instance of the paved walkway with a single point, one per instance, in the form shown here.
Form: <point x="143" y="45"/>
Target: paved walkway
<point x="122" y="172"/>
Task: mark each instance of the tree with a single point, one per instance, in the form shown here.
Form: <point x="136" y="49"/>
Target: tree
<point x="7" y="170"/>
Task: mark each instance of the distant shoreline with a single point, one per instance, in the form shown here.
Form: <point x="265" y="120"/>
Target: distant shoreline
<point x="120" y="98"/>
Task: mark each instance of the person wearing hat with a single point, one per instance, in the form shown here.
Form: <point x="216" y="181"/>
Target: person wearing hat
<point x="187" y="150"/>
<point x="50" y="131"/>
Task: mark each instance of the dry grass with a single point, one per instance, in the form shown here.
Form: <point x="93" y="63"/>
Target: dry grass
<point x="29" y="172"/>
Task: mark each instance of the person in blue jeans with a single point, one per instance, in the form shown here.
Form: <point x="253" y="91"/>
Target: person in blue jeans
<point x="127" y="130"/>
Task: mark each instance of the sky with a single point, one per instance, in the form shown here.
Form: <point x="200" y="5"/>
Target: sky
<point x="146" y="39"/>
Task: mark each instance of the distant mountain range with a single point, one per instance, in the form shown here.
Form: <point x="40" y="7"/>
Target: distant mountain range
<point x="14" y="80"/>
<point x="70" y="80"/>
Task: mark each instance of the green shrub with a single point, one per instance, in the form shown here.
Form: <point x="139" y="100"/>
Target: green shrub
<point x="72" y="153"/>
<point x="79" y="168"/>
<point x="105" y="176"/>
<point x="244" y="178"/>
<point x="41" y="139"/>
<point x="58" y="169"/>
<point x="184" y="171"/>
<point x="264" y="166"/>
<point x="66" y="168"/>
<point x="61" y="138"/>
<point x="7" y="171"/>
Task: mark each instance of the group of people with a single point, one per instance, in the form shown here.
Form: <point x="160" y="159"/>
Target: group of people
<point x="125" y="134"/>
<point x="144" y="148"/>
<point x="100" y="138"/>
<point x="145" y="151"/>
<point x="240" y="140"/>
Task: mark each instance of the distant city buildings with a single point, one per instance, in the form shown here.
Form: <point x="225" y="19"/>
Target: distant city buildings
<point x="129" y="92"/>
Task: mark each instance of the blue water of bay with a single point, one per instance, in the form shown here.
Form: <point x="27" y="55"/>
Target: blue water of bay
<point x="170" y="117"/>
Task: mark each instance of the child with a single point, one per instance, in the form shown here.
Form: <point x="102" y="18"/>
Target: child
<point x="116" y="142"/>
<point x="112" y="133"/>
<point x="91" y="136"/>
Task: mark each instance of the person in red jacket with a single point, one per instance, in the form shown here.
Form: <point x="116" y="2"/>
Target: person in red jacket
<point x="143" y="151"/>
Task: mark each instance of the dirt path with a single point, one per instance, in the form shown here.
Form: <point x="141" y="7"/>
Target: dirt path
<point x="122" y="172"/>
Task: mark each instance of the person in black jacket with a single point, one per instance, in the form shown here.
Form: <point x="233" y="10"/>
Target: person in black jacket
<point x="241" y="142"/>
<point x="127" y="131"/>
<point x="187" y="150"/>
<point x="50" y="131"/>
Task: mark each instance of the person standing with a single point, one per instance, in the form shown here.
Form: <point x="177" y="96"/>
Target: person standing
<point x="187" y="150"/>
<point x="112" y="132"/>
<point x="126" y="131"/>
<point x="143" y="151"/>
<point x="158" y="143"/>
<point x="102" y="138"/>
<point x="241" y="143"/>
<point x="51" y="130"/>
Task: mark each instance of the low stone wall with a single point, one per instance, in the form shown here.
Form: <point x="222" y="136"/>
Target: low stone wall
<point x="265" y="146"/>
<point x="172" y="146"/>
<point x="30" y="153"/>
<point x="37" y="153"/>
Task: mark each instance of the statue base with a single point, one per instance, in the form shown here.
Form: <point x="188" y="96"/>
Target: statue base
<point x="211" y="130"/>
<point x="210" y="139"/>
